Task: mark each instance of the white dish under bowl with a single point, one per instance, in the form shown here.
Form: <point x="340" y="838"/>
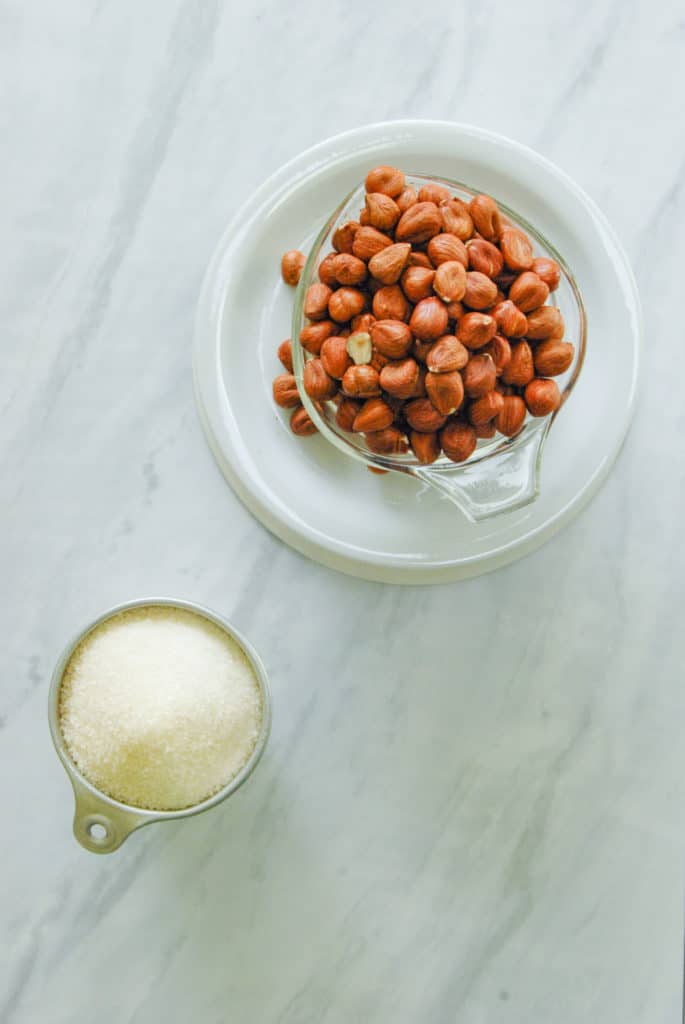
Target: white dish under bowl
<point x="314" y="497"/>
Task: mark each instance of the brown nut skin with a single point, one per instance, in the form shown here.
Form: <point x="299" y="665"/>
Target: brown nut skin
<point x="334" y="357"/>
<point x="317" y="383"/>
<point x="545" y="322"/>
<point x="458" y="440"/>
<point x="484" y="257"/>
<point x="548" y="270"/>
<point x="316" y="301"/>
<point x="553" y="357"/>
<point x="400" y="378"/>
<point x="406" y="198"/>
<point x="446" y="355"/>
<point x="388" y="180"/>
<point x="516" y="249"/>
<point x="347" y="413"/>
<point x="368" y="241"/>
<point x="426" y="447"/>
<point x="511" y="416"/>
<point x="420" y="389"/>
<point x="476" y="329"/>
<point x="390" y="441"/>
<point x="422" y="416"/>
<point x="285" y="391"/>
<point x="387" y="265"/>
<point x="327" y="269"/>
<point x="429" y="319"/>
<point x="520" y="368"/>
<point x="486" y="217"/>
<point x="480" y="292"/>
<point x="417" y="283"/>
<point x="382" y="211"/>
<point x="363" y="322"/>
<point x="479" y="376"/>
<point x="364" y="217"/>
<point x="500" y="351"/>
<point x="347" y="269"/>
<point x="361" y="382"/>
<point x="486" y="430"/>
<point x="301" y="424"/>
<point x="313" y="336"/>
<point x="456" y="219"/>
<point x="392" y="338"/>
<point x="434" y="193"/>
<point x="285" y="354"/>
<point x="542" y="396"/>
<point x="418" y="258"/>
<point x="345" y="303"/>
<point x="419" y="223"/>
<point x="483" y="410"/>
<point x="446" y="391"/>
<point x="449" y="283"/>
<point x="378" y="360"/>
<point x="375" y="414"/>
<point x="455" y="310"/>
<point x="511" y="322"/>
<point x="446" y="247"/>
<point x="343" y="237"/>
<point x="528" y="291"/>
<point x="292" y="263"/>
<point x="420" y="349"/>
<point x="389" y="303"/>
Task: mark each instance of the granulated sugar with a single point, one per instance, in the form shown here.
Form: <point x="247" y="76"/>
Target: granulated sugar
<point x="159" y="708"/>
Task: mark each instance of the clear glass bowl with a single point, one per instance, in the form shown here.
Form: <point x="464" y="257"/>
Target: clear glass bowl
<point x="503" y="473"/>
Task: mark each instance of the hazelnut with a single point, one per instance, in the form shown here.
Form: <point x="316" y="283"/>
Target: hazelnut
<point x="375" y="414"/>
<point x="476" y="329"/>
<point x="548" y="270"/>
<point x="426" y="447"/>
<point x="542" y="396"/>
<point x="500" y="350"/>
<point x="484" y="409"/>
<point x="484" y="257"/>
<point x="313" y="336"/>
<point x="389" y="303"/>
<point x="358" y="347"/>
<point x="327" y="269"/>
<point x="509" y="319"/>
<point x="334" y="357"/>
<point x="388" y="180"/>
<point x="382" y="211"/>
<point x="422" y="416"/>
<point x="485" y="430"/>
<point x="434" y="193"/>
<point x="447" y="247"/>
<point x="545" y="322"/>
<point x="387" y="265"/>
<point x="446" y="391"/>
<point x="317" y="383"/>
<point x="519" y="370"/>
<point x="456" y="219"/>
<point x="417" y="283"/>
<point x="361" y="382"/>
<point x="392" y="338"/>
<point x="346" y="303"/>
<point x="450" y="281"/>
<point x="363" y="322"/>
<point x="316" y="301"/>
<point x="348" y="269"/>
<point x="285" y="391"/>
<point x="419" y="259"/>
<point x="429" y="319"/>
<point x="479" y="376"/>
<point x="390" y="441"/>
<point x="516" y="249"/>
<point x="511" y="416"/>
<point x="292" y="263"/>
<point x="446" y="355"/>
<point x="343" y="237"/>
<point x="480" y="292"/>
<point x="553" y="357"/>
<point x="368" y="241"/>
<point x="458" y="440"/>
<point x="528" y="291"/>
<point x="301" y="424"/>
<point x="285" y="354"/>
<point x="347" y="413"/>
<point x="400" y="378"/>
<point x="486" y="217"/>
<point x="419" y="223"/>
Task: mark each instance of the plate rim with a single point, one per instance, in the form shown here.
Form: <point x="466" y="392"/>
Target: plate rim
<point x="337" y="554"/>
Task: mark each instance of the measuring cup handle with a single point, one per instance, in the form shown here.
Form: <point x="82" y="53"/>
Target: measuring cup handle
<point x="502" y="482"/>
<point x="100" y="827"/>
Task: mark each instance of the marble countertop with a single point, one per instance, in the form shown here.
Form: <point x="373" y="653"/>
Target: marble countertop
<point x="472" y="804"/>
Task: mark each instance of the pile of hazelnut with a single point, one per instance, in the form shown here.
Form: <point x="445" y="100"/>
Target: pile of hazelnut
<point x="428" y="326"/>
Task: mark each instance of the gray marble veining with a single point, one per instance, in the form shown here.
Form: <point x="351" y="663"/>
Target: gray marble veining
<point x="471" y="809"/>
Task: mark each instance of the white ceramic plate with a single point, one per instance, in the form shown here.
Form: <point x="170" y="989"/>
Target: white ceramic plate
<point x="313" y="496"/>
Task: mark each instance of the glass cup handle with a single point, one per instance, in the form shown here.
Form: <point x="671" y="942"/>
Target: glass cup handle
<point x="503" y="482"/>
<point x="98" y="826"/>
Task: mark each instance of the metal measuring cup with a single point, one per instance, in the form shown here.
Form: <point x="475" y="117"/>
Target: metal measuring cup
<point x="101" y="823"/>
